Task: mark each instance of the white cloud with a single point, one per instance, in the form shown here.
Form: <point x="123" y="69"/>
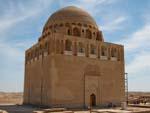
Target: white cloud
<point x="139" y="65"/>
<point x="137" y="52"/>
<point x="16" y="13"/>
<point x="116" y="24"/>
<point x="138" y="40"/>
<point x="12" y="51"/>
<point x="96" y="8"/>
<point x="92" y="6"/>
<point x="137" y="44"/>
<point x="9" y="51"/>
<point x="19" y="12"/>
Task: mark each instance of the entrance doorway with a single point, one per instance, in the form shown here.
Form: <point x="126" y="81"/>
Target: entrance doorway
<point x="92" y="100"/>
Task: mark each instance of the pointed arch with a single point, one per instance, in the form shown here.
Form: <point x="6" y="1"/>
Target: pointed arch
<point x="68" y="45"/>
<point x="99" y="36"/>
<point x="113" y="52"/>
<point x="103" y="51"/>
<point x="92" y="49"/>
<point x="76" y="31"/>
<point x="69" y="31"/>
<point x="81" y="48"/>
<point x="88" y="34"/>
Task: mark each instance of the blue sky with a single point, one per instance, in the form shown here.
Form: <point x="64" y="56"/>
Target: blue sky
<point x="122" y="21"/>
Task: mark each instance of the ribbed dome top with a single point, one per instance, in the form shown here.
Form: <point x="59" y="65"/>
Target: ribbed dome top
<point x="71" y="14"/>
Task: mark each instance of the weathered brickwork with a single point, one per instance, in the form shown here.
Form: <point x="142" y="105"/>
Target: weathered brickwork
<point x="72" y="66"/>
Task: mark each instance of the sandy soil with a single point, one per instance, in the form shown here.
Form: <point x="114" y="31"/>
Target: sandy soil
<point x="11" y="98"/>
<point x="11" y="102"/>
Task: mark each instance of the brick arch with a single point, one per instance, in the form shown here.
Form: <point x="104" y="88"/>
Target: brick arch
<point x="113" y="52"/>
<point x="81" y="47"/>
<point x="68" y="45"/>
<point x="99" y="36"/>
<point x="88" y="34"/>
<point x="103" y="51"/>
<point x="93" y="49"/>
<point x="76" y="31"/>
<point x="69" y="31"/>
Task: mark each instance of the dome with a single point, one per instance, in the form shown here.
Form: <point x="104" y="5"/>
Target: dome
<point x="71" y="14"/>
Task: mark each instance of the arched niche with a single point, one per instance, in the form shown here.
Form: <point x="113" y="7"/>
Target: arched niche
<point x="114" y="52"/>
<point x="103" y="51"/>
<point x="68" y="45"/>
<point x="99" y="36"/>
<point x="92" y="49"/>
<point x="88" y="34"/>
<point x="76" y="31"/>
<point x="81" y="48"/>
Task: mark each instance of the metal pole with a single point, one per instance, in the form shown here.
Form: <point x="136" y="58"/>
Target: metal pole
<point x="126" y="87"/>
<point x="84" y="90"/>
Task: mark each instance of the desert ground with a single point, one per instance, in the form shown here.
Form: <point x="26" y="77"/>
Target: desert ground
<point x="11" y="98"/>
<point x="12" y="103"/>
<point x="139" y="93"/>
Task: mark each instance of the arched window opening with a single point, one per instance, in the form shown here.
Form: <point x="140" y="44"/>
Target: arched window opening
<point x="68" y="45"/>
<point x="80" y="47"/>
<point x="99" y="36"/>
<point x="61" y="25"/>
<point x="103" y="51"/>
<point x="79" y="24"/>
<point x="69" y="32"/>
<point x="90" y="26"/>
<point x="48" y="33"/>
<point x="119" y="55"/>
<point x="29" y="56"/>
<point x="94" y="34"/>
<point x="92" y="49"/>
<point x="76" y="32"/>
<point x="55" y="28"/>
<point x="113" y="52"/>
<point x="88" y="34"/>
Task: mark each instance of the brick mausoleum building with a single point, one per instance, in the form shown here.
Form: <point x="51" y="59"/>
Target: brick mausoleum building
<point x="72" y="66"/>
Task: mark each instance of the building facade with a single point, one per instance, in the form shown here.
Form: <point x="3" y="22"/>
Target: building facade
<point x="72" y="66"/>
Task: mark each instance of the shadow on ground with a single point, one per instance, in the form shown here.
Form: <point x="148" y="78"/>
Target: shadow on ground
<point x="18" y="108"/>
